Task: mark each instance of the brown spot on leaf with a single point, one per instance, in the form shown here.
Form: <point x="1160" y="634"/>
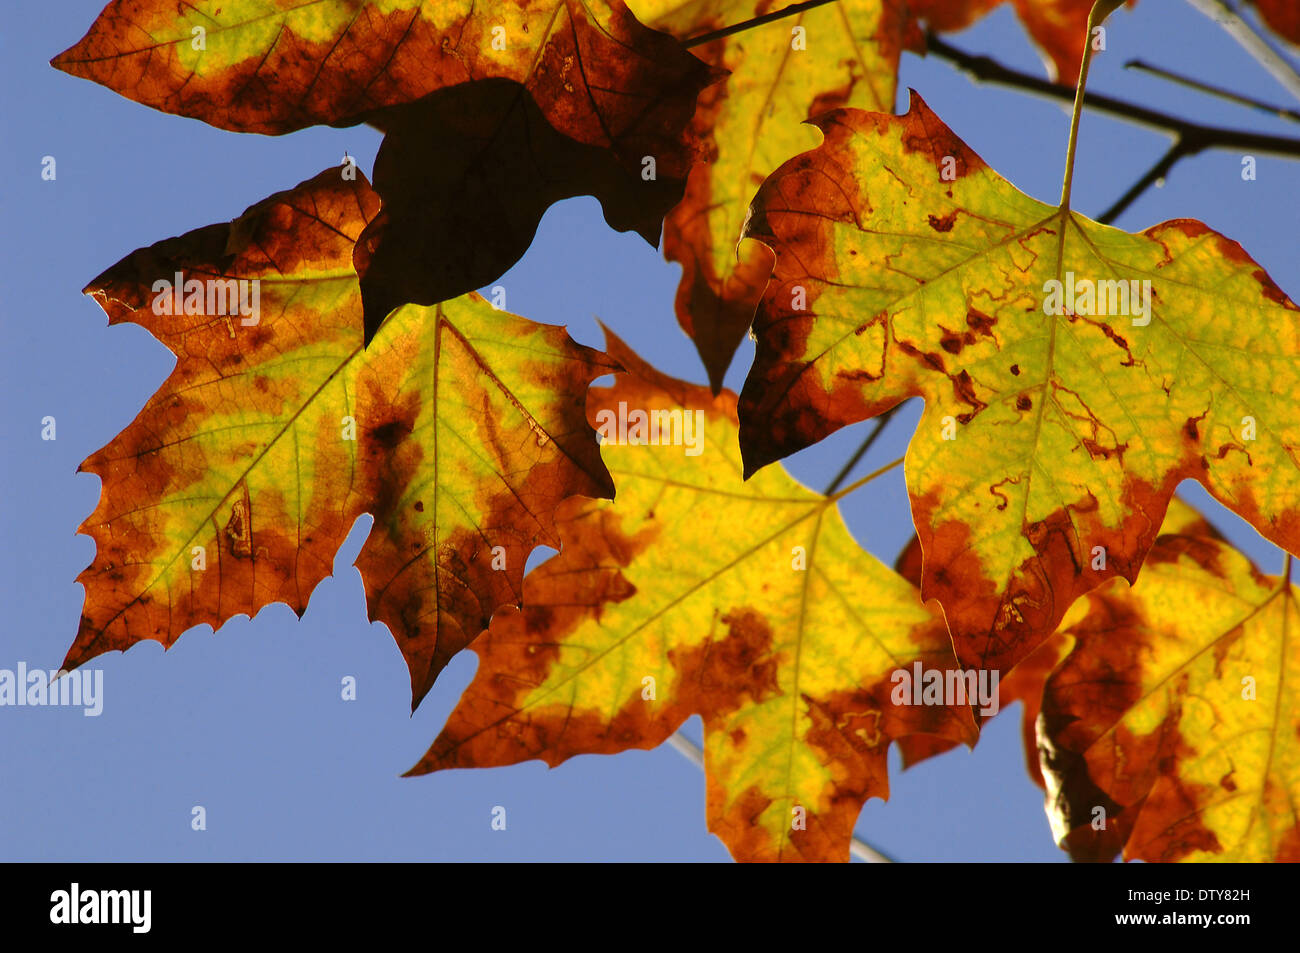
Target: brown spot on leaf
<point x="979" y="322"/>
<point x="943" y="223"/>
<point x="239" y="528"/>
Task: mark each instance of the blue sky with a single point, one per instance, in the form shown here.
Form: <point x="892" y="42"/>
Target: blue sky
<point x="248" y="722"/>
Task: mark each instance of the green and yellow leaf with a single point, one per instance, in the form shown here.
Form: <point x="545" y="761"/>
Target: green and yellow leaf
<point x="1055" y="430"/>
<point x="460" y="430"/>
<point x="696" y="593"/>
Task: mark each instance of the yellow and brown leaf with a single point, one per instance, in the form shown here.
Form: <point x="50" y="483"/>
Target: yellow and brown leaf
<point x="1171" y="730"/>
<point x="460" y="430"/>
<point x="752" y="122"/>
<point x="682" y="597"/>
<point x="1050" y="442"/>
<point x="273" y="66"/>
<point x="1025" y="682"/>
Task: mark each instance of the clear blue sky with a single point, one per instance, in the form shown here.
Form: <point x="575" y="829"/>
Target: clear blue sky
<point x="248" y="721"/>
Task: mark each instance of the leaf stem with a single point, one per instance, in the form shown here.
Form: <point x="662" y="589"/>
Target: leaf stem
<point x="1099" y="12"/>
<point x="857" y="847"/>
<point x="881" y="422"/>
<point x="753" y="22"/>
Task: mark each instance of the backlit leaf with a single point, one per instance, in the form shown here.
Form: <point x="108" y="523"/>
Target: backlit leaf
<point x="1025" y="682"/>
<point x="466" y="175"/>
<point x="460" y="429"/>
<point x="273" y="66"/>
<point x="750" y="123"/>
<point x="682" y="597"/>
<point x="1176" y="714"/>
<point x="1050" y="442"/>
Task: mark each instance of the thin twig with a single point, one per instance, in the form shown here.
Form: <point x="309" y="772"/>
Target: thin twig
<point x="1180" y="149"/>
<point x="990" y="70"/>
<point x="847" y="469"/>
<point x="751" y="23"/>
<point x="1252" y="42"/>
<point x="857" y="847"/>
<point x="1219" y="91"/>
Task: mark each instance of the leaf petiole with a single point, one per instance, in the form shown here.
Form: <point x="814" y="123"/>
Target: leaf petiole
<point x="1100" y="10"/>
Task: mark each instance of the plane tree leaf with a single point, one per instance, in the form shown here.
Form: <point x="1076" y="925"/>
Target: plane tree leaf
<point x="466" y="174"/>
<point x="270" y="66"/>
<point x="1058" y="421"/>
<point x="460" y="430"/>
<point x="494" y="112"/>
<point x="845" y="54"/>
<point x="696" y="593"/>
<point x="1025" y="682"/>
<point x="1174" y="720"/>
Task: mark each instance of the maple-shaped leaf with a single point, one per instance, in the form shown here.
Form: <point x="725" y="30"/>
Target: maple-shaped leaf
<point x="1025" y="682"/>
<point x="460" y="429"/>
<point x="1073" y="373"/>
<point x="696" y="593"/>
<point x="1058" y="27"/>
<point x="580" y="98"/>
<point x="1175" y="717"/>
<point x="842" y="54"/>
<point x="466" y="175"/>
<point x="272" y="66"/>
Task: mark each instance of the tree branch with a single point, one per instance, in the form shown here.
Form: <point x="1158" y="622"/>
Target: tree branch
<point x="1221" y="92"/>
<point x="1153" y="175"/>
<point x="1206" y="137"/>
<point x="751" y="23"/>
<point x="857" y="847"/>
<point x="847" y="469"/>
<point x="1254" y="44"/>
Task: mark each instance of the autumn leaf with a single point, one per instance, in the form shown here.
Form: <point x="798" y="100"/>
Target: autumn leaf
<point x="1059" y="416"/>
<point x="466" y="175"/>
<point x="1025" y="682"/>
<point x="1170" y="731"/>
<point x="272" y="66"/>
<point x="460" y="429"/>
<point x="695" y="593"/>
<point x="606" y="104"/>
<point x="750" y="123"/>
<point x="783" y="73"/>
